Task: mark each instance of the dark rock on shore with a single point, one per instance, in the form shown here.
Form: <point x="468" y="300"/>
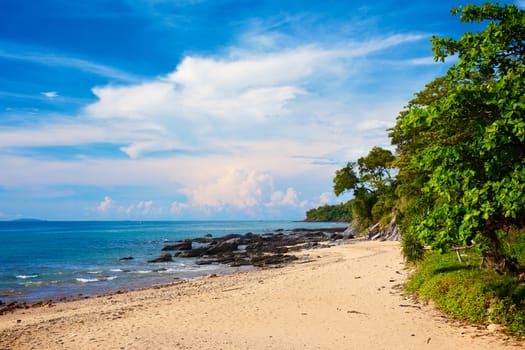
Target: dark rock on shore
<point x="218" y="247"/>
<point x="163" y="258"/>
<point x="184" y="245"/>
<point x="261" y="250"/>
<point x="126" y="258"/>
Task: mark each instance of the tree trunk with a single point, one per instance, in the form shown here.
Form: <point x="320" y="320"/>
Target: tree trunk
<point x="495" y="257"/>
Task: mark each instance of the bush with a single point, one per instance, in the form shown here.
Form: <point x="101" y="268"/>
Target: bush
<point x="466" y="292"/>
<point x="411" y="247"/>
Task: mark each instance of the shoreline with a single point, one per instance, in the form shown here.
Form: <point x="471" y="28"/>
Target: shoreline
<point x="346" y="296"/>
<point x="222" y="254"/>
<point x="108" y="268"/>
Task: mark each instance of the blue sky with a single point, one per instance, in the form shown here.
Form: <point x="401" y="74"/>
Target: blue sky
<point x="195" y="109"/>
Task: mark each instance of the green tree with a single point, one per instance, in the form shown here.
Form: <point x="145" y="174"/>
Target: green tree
<point x="462" y="140"/>
<point x="341" y="212"/>
<point x="371" y="181"/>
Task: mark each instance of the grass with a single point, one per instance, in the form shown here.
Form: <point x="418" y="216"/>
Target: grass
<point x="466" y="292"/>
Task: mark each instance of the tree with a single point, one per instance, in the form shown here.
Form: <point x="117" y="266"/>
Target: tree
<point x="371" y="185"/>
<point x="341" y="212"/>
<point x="462" y="140"/>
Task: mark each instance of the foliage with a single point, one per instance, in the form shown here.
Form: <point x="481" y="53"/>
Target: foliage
<point x="335" y="213"/>
<point x="411" y="247"/>
<point x="462" y="140"/>
<point x="467" y="292"/>
<point x="372" y="184"/>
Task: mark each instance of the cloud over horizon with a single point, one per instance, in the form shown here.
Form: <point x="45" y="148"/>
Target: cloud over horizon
<point x="255" y="126"/>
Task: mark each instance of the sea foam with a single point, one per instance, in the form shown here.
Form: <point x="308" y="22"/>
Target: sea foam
<point x="24" y="277"/>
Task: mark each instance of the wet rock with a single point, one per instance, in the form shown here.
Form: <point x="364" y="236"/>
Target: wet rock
<point x="193" y="253"/>
<point x="184" y="245"/>
<point x="218" y="247"/>
<point x="126" y="258"/>
<point x="267" y="249"/>
<point x="163" y="258"/>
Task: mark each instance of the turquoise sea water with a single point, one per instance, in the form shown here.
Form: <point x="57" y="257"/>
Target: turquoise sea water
<point x="51" y="260"/>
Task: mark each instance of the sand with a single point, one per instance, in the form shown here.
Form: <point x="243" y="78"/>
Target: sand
<point x="344" y="297"/>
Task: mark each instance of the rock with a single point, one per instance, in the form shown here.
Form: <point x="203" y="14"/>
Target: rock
<point x="271" y="259"/>
<point x="265" y="249"/>
<point x="204" y="262"/>
<point x="163" y="258"/>
<point x="390" y="232"/>
<point x="193" y="253"/>
<point x="336" y="236"/>
<point x="184" y="245"/>
<point x="126" y="258"/>
<point x="351" y="232"/>
<point x="218" y="247"/>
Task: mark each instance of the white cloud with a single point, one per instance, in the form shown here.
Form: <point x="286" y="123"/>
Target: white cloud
<point x="178" y="208"/>
<point x="105" y="205"/>
<point x="325" y="198"/>
<point x="289" y="198"/>
<point x="206" y="96"/>
<point x="49" y="94"/>
<point x="235" y="124"/>
<point x="141" y="208"/>
<point x="235" y="188"/>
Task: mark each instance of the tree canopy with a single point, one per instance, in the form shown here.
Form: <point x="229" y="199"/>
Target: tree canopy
<point x="371" y="181"/>
<point x="461" y="141"/>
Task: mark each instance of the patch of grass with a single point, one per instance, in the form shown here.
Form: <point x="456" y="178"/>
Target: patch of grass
<point x="466" y="292"/>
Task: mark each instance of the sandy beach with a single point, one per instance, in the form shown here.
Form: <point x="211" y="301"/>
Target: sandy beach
<point x="343" y="297"/>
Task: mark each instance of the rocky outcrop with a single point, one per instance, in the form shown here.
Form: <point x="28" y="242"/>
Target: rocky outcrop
<point x="268" y="249"/>
<point x="163" y="258"/>
<point x="184" y="245"/>
<point x="390" y="232"/>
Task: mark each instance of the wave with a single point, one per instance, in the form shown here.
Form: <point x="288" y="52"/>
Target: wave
<point x="97" y="279"/>
<point x="24" y="277"/>
<point x="86" y="280"/>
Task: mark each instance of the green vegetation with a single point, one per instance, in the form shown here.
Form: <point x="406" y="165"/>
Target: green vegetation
<point x="372" y="185"/>
<point x="459" y="181"/>
<point x="466" y="292"/>
<point x="462" y="141"/>
<point x="461" y="145"/>
<point x="335" y="213"/>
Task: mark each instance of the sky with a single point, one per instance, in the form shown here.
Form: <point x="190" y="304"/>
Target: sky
<point x="201" y="110"/>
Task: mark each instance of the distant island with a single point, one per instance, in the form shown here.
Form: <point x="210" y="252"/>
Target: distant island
<point x="28" y="220"/>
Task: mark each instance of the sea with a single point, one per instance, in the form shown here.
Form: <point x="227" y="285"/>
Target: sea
<point x="46" y="260"/>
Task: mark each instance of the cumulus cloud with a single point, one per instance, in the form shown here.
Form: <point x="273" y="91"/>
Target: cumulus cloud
<point x="206" y="96"/>
<point x="236" y="188"/>
<point x="289" y="198"/>
<point x="325" y="198"/>
<point x="178" y="207"/>
<point x="139" y="209"/>
<point x="218" y="129"/>
<point x="105" y="205"/>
